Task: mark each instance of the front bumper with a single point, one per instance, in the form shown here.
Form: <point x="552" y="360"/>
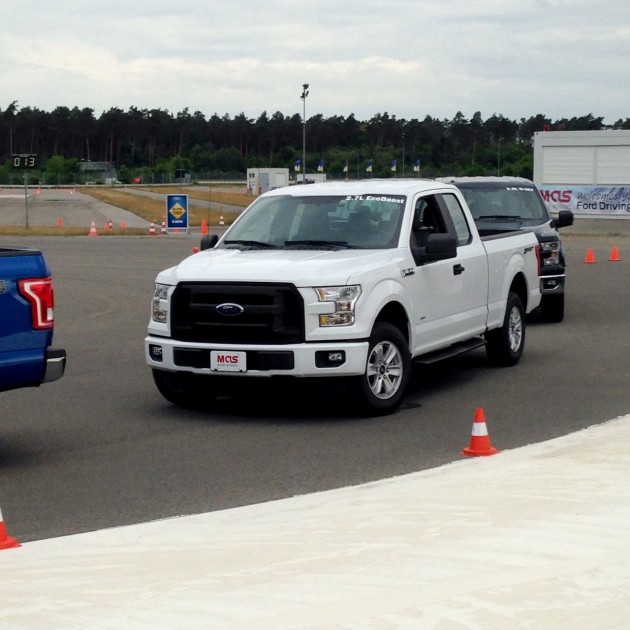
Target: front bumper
<point x="298" y="360"/>
<point x="552" y="284"/>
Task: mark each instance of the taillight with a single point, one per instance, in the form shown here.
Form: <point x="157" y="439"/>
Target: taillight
<point x="40" y="295"/>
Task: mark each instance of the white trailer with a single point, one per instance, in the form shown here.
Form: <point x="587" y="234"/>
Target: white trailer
<point x="261" y="180"/>
<point x="587" y="172"/>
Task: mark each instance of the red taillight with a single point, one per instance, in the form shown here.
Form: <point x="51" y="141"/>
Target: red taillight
<point x="40" y="295"/>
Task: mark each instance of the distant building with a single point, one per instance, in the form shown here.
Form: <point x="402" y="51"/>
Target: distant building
<point x="97" y="171"/>
<point x="311" y="178"/>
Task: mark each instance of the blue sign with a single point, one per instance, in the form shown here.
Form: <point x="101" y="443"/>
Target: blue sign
<point x="177" y="212"/>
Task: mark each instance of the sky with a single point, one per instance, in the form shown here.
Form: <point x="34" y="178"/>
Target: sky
<point x="406" y="58"/>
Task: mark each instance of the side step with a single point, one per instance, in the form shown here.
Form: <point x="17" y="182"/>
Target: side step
<point x="451" y="351"/>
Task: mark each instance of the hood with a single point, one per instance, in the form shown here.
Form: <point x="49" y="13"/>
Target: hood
<point x="298" y="267"/>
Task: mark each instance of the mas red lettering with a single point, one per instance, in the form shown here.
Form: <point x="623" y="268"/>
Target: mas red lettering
<point x="558" y="196"/>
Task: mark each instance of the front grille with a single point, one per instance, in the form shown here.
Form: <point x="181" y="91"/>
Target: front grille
<point x="259" y="360"/>
<point x="272" y="313"/>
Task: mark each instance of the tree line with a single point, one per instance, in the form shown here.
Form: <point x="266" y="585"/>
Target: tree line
<point x="155" y="145"/>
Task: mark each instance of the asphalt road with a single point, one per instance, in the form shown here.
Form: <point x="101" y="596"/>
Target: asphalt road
<point x="101" y="448"/>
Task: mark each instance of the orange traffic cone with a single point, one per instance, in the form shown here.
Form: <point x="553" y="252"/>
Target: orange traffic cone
<point x="204" y="226"/>
<point x="123" y="224"/>
<point x="614" y="254"/>
<point x="152" y="229"/>
<point x="163" y="228"/>
<point x="590" y="256"/>
<point x="479" y="440"/>
<point x="6" y="541"/>
<point x="93" y="231"/>
<point x="59" y="222"/>
<point x="221" y="221"/>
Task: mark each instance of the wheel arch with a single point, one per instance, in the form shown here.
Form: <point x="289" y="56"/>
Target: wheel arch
<point x="519" y="286"/>
<point x="394" y="313"/>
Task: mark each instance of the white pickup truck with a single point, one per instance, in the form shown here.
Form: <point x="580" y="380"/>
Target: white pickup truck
<point x="352" y="280"/>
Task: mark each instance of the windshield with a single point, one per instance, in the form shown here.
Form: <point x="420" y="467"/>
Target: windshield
<point x="326" y="222"/>
<point x="505" y="202"/>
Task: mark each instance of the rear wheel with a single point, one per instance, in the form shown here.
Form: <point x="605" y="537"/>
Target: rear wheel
<point x="504" y="346"/>
<point x="184" y="389"/>
<point x="381" y="389"/>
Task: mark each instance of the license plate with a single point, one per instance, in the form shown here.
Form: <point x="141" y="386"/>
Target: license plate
<point x="227" y="361"/>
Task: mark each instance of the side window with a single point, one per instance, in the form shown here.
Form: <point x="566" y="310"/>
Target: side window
<point x="456" y="212"/>
<point x="427" y="219"/>
<point x="427" y="215"/>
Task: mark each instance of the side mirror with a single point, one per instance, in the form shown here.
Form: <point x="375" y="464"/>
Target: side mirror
<point x="565" y="218"/>
<point x="208" y="241"/>
<point x="438" y="247"/>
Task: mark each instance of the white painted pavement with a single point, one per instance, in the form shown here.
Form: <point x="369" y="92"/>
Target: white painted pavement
<point x="537" y="537"/>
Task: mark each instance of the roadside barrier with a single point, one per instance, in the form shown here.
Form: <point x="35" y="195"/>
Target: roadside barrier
<point x="480" y="440"/>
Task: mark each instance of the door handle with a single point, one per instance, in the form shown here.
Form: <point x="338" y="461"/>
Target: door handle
<point x="457" y="269"/>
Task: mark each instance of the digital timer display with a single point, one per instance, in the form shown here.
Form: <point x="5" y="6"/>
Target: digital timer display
<point x="24" y="161"/>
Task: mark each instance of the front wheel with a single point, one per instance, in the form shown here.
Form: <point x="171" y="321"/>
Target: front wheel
<point x="504" y="346"/>
<point x="552" y="308"/>
<point x="183" y="388"/>
<point x="381" y="388"/>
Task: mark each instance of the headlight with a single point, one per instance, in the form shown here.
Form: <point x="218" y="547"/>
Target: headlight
<point x="344" y="299"/>
<point x="159" y="310"/>
<point x="550" y="252"/>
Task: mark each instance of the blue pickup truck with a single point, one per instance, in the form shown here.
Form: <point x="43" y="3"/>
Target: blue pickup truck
<point x="27" y="321"/>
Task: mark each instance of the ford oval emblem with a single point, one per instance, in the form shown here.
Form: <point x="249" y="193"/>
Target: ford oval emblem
<point x="229" y="309"/>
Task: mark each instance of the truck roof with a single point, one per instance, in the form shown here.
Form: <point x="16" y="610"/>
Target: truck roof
<point x="360" y="187"/>
<point x="480" y="179"/>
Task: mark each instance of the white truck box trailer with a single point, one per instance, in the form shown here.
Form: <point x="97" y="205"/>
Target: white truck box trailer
<point x="262" y="180"/>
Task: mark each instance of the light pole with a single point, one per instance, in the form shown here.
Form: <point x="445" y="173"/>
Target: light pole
<point x="303" y="97"/>
<point x="403" y="143"/>
<point x="499" y="157"/>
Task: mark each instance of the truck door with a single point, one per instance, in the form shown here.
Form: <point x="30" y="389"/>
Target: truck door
<point x="449" y="296"/>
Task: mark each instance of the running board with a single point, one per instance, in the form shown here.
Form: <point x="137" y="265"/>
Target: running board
<point x="451" y="351"/>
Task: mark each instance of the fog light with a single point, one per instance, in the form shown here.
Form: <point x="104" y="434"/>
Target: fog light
<point x="329" y="358"/>
<point x="155" y="352"/>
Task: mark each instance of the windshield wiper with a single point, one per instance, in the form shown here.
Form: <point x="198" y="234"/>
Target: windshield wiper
<point x="250" y="243"/>
<point x="317" y="243"/>
<point x="500" y="217"/>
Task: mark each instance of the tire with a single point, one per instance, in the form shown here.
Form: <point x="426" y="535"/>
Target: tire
<point x="552" y="308"/>
<point x="381" y="388"/>
<point x="504" y="346"/>
<point x="184" y="389"/>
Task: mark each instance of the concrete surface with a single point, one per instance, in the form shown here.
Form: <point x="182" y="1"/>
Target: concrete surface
<point x="537" y="537"/>
<point x="44" y="207"/>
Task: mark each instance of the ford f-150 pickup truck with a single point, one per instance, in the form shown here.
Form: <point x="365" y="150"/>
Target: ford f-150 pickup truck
<point x="27" y="321"/>
<point x="509" y="203"/>
<point x="332" y="280"/>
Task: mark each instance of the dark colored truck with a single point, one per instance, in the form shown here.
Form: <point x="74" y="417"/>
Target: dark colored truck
<point x="507" y="203"/>
<point x="27" y="321"/>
